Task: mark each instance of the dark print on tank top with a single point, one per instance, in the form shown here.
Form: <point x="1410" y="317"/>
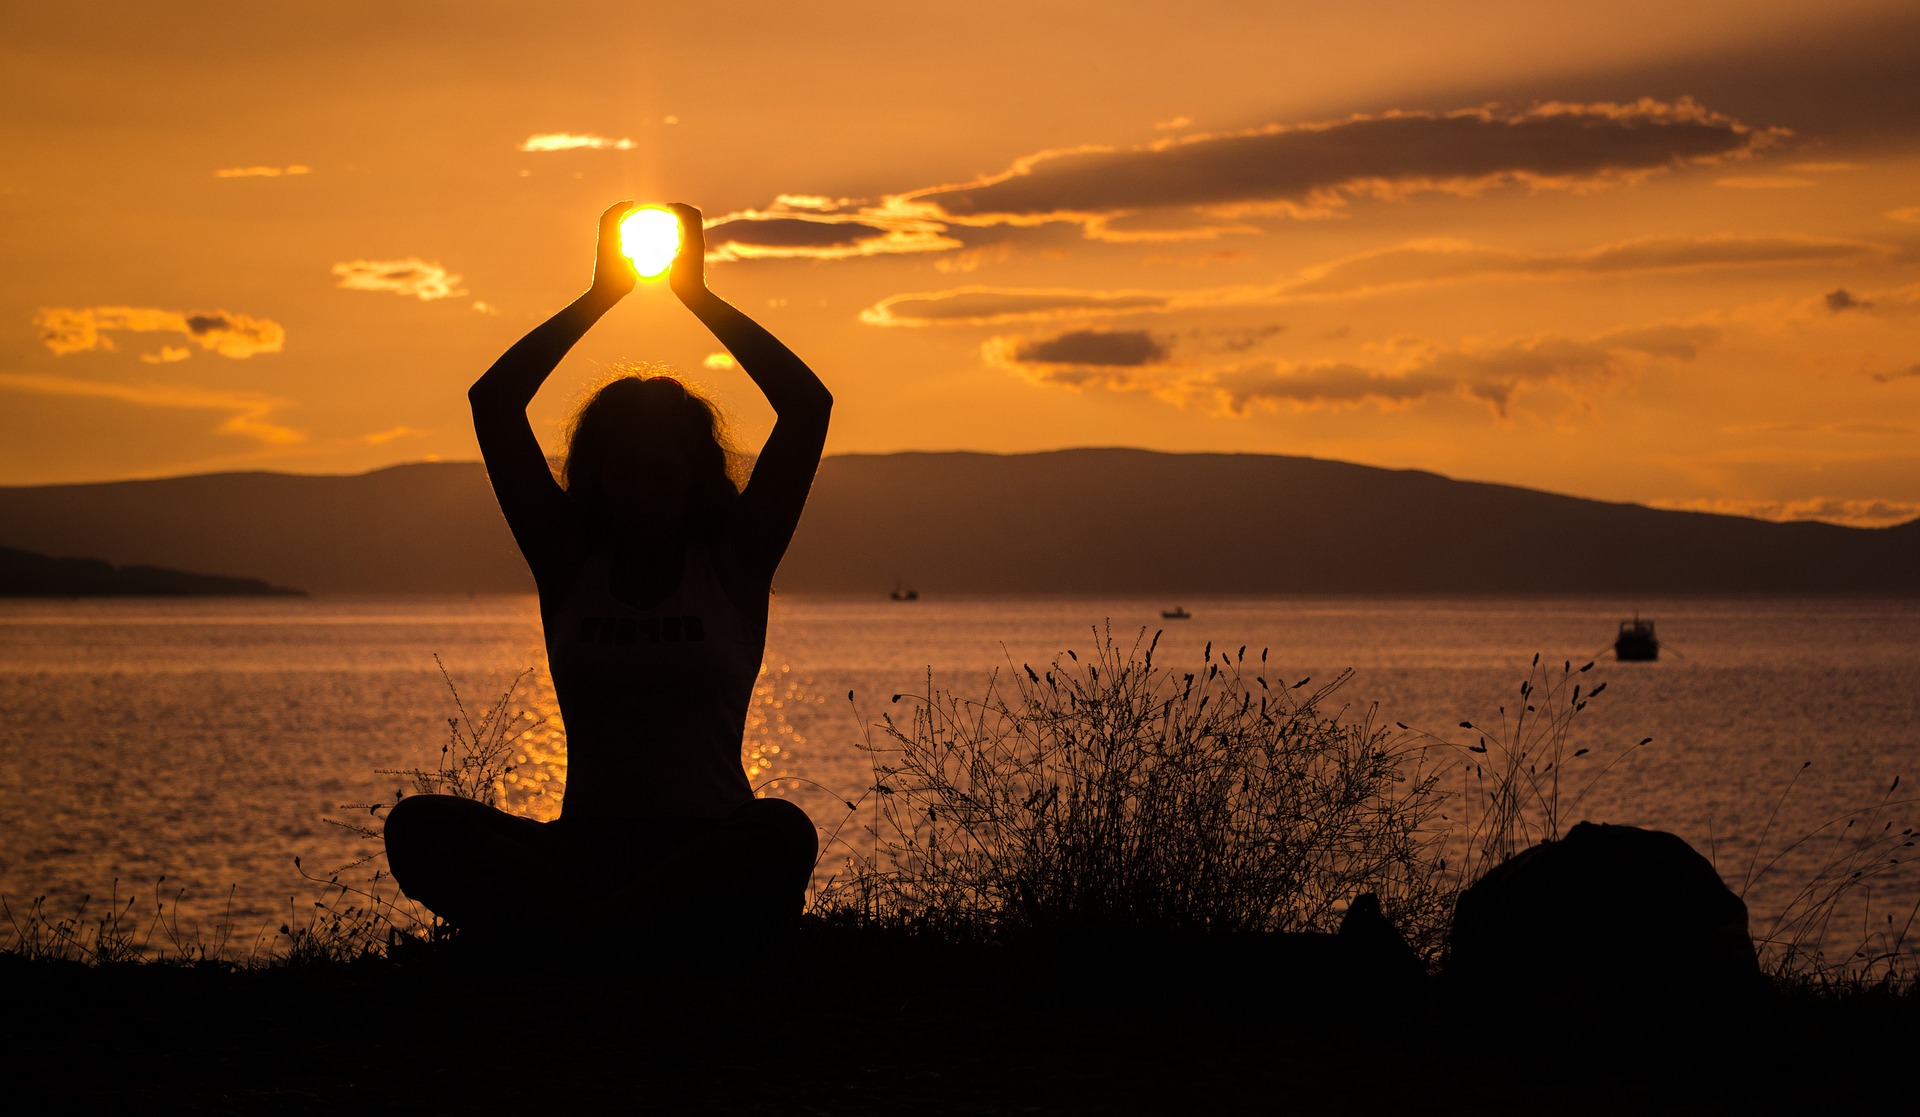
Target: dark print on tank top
<point x="654" y="697"/>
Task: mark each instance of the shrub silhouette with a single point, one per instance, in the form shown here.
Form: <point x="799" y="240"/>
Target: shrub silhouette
<point x="1117" y="792"/>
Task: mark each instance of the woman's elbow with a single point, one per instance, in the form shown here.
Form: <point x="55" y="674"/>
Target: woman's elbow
<point x="812" y="405"/>
<point x="820" y="409"/>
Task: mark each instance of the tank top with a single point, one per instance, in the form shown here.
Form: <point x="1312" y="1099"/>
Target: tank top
<point x="654" y="699"/>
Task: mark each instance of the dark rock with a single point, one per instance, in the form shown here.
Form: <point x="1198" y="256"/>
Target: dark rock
<point x="1377" y="946"/>
<point x="1606" y="915"/>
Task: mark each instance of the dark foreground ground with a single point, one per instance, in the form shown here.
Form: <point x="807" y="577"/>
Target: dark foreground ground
<point x="877" y="1026"/>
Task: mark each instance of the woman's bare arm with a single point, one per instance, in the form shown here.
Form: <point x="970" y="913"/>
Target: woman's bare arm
<point x="535" y="506"/>
<point x="770" y="507"/>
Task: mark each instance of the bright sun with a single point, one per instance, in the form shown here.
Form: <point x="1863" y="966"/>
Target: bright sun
<point x="650" y="238"/>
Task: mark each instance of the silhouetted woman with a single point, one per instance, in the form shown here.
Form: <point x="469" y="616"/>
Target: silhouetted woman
<point x="654" y="572"/>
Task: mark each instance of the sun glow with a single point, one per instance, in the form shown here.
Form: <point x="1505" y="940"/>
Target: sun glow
<point x="651" y="239"/>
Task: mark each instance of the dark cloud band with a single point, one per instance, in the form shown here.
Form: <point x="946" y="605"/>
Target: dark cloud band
<point x="1317" y="165"/>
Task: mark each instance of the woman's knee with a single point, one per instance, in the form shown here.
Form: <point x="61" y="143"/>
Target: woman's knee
<point x="422" y="830"/>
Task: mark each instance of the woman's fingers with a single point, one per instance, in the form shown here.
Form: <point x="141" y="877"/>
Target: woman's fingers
<point x="612" y="271"/>
<point x="689" y="266"/>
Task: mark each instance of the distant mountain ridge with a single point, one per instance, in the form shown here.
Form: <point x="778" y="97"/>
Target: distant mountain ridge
<point x="25" y="574"/>
<point x="1070" y="521"/>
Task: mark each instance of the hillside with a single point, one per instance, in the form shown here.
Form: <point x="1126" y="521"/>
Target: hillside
<point x="25" y="574"/>
<point x="1076" y="521"/>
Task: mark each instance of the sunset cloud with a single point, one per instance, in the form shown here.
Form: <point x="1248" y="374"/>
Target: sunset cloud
<point x="411" y="276"/>
<point x="393" y="434"/>
<point x="262" y="172"/>
<point x="1763" y="182"/>
<point x="1209" y="185"/>
<point x="821" y="229"/>
<point x="975" y="306"/>
<point x="1309" y="170"/>
<point x="1832" y="510"/>
<point x="67" y="330"/>
<point x="245" y="415"/>
<point x="1079" y="348"/>
<point x="1439" y="260"/>
<point x="573" y="141"/>
<point x="1491" y="374"/>
<point x="1414" y="264"/>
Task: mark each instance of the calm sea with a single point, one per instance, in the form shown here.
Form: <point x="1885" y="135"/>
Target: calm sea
<point x="210" y="742"/>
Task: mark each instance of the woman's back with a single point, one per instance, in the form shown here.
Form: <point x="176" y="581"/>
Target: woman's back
<point x="654" y="694"/>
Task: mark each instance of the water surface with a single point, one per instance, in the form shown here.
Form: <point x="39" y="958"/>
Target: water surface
<point x="211" y="741"/>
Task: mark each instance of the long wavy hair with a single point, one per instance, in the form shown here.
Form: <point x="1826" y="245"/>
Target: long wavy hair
<point x="651" y="403"/>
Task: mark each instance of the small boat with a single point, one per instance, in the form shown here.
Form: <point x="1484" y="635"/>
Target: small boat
<point x="1177" y="613"/>
<point x="1636" y="641"/>
<point x="900" y="594"/>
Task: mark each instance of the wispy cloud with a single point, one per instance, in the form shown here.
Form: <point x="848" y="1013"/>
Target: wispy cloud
<point x="1908" y="214"/>
<point x="67" y="330"/>
<point x="979" y="306"/>
<point x="1078" y="349"/>
<point x="393" y="434"/>
<point x="1424" y="263"/>
<point x="573" y="141"/>
<point x="821" y="229"/>
<point x="411" y="276"/>
<point x="246" y="415"/>
<point x="1495" y="375"/>
<point x="1891" y="429"/>
<point x="1763" y="182"/>
<point x="262" y="172"/>
<point x="1414" y="264"/>
<point x="1847" y="512"/>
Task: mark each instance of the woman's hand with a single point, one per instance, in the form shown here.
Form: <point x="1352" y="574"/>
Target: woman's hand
<point x="613" y="274"/>
<point x="688" y="275"/>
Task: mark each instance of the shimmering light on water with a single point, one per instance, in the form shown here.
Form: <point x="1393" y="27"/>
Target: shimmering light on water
<point x="210" y="741"/>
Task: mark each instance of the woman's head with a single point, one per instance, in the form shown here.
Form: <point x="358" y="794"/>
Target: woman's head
<point x="643" y="448"/>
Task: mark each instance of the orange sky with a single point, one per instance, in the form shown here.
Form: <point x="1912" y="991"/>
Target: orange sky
<point x="1658" y="252"/>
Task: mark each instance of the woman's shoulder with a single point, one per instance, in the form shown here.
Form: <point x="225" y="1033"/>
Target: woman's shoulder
<point x="564" y="560"/>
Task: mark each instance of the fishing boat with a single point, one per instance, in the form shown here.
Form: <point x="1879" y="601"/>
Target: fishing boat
<point x="1177" y="613"/>
<point x="902" y="594"/>
<point x="1636" y="641"/>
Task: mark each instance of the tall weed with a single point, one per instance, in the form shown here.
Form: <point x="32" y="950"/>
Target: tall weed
<point x="1525" y="776"/>
<point x="1837" y="902"/>
<point x="1116" y="791"/>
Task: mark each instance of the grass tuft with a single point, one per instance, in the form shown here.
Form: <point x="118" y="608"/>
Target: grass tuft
<point x="1113" y="791"/>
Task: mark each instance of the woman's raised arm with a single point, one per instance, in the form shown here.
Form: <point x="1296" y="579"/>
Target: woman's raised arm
<point x="770" y="506"/>
<point x="532" y="501"/>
